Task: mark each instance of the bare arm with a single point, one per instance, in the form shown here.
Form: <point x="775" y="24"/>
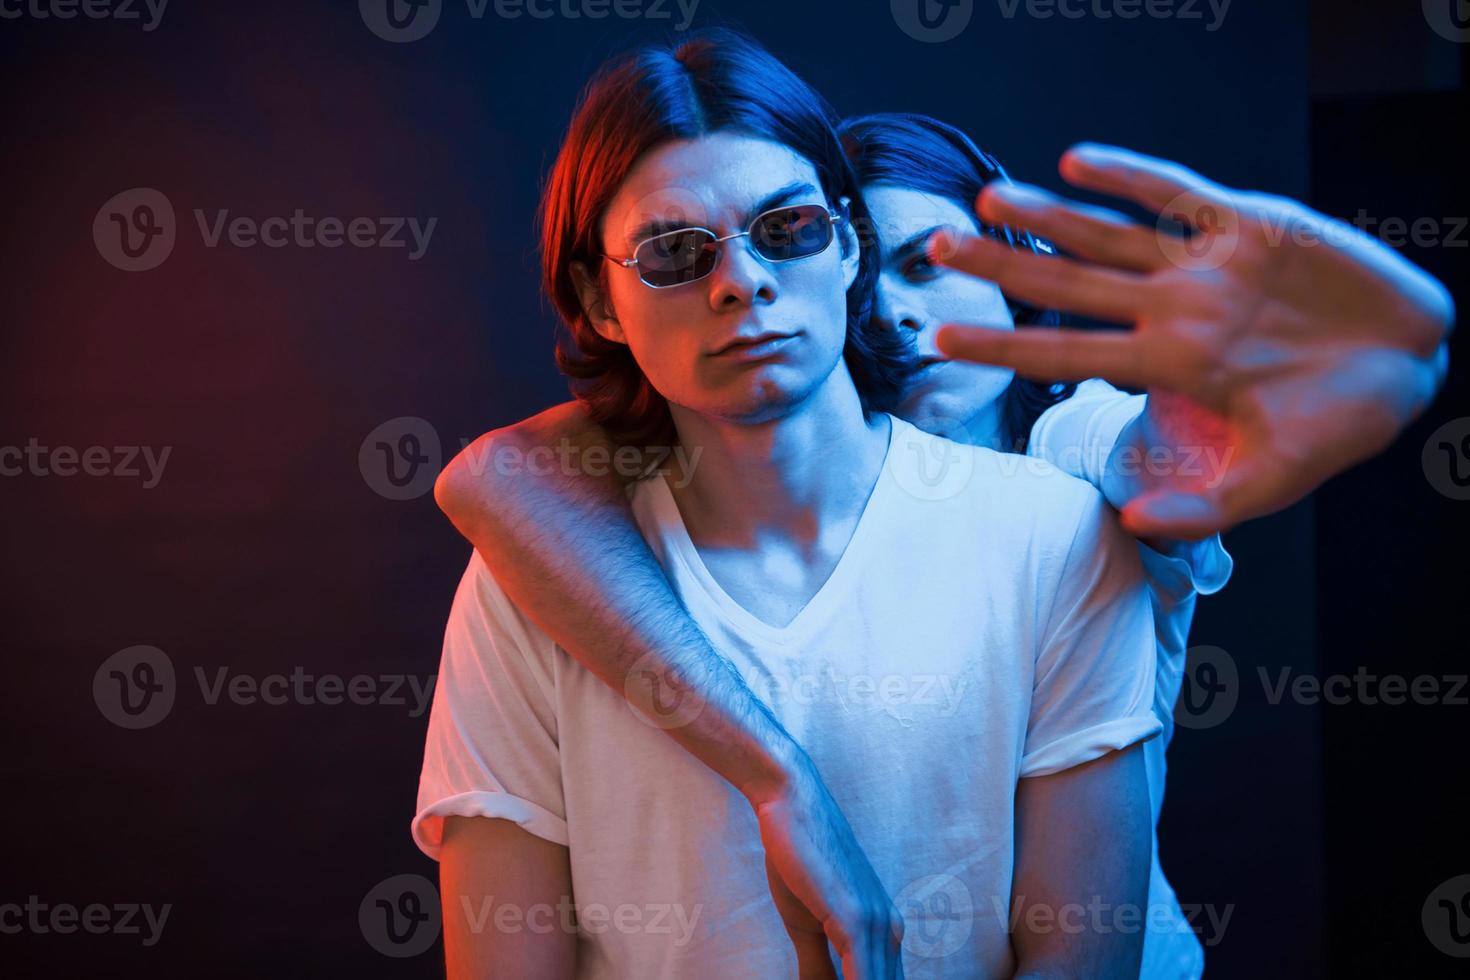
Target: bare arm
<point x="500" y="888"/>
<point x="1082" y="864"/>
<point x="560" y="539"/>
<point x="546" y="505"/>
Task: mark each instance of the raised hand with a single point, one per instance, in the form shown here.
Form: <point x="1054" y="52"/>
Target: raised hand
<point x="1290" y="342"/>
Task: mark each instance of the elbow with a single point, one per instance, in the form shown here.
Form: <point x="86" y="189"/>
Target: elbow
<point x="473" y="487"/>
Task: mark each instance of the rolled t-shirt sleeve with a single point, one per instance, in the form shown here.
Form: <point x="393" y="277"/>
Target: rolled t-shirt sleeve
<point x="491" y="748"/>
<point x="1093" y="685"/>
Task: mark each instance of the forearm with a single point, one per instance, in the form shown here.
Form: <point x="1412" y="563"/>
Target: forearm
<point x="565" y="549"/>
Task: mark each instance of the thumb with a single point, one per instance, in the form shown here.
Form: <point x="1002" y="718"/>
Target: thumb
<point x="1187" y="516"/>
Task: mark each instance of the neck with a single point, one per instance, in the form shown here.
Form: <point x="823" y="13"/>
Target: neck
<point x="789" y="476"/>
<point x="982" y="429"/>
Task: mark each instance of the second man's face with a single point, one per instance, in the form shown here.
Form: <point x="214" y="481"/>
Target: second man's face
<point x="917" y="297"/>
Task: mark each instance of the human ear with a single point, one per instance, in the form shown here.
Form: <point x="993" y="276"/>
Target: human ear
<point x="847" y="237"/>
<point x="595" y="304"/>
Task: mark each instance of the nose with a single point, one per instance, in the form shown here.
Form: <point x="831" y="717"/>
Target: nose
<point x="893" y="312"/>
<point x="740" y="277"/>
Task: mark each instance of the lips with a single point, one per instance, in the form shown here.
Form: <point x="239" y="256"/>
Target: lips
<point x="754" y="345"/>
<point x="926" y="365"/>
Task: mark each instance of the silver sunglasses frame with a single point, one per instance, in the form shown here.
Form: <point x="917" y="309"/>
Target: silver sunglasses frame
<point x="836" y="217"/>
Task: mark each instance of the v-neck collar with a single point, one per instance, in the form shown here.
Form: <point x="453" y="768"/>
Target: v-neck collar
<point x="815" y="612"/>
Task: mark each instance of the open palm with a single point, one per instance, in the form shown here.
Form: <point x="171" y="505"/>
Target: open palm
<point x="1286" y="343"/>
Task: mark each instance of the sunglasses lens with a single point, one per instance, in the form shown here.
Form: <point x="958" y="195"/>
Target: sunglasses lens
<point x="792" y="233"/>
<point x="677" y="257"/>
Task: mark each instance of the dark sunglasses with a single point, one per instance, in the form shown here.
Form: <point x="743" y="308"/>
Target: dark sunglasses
<point x="689" y="254"/>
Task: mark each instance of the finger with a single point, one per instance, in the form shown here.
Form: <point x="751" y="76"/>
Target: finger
<point x="1246" y="489"/>
<point x="1170" y="514"/>
<point x="1046" y="281"/>
<point x="1124" y="358"/>
<point x="1091" y="233"/>
<point x="1162" y="186"/>
<point x="813" y="957"/>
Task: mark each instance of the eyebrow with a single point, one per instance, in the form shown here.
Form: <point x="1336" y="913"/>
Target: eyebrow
<point x="662" y="226"/>
<point x="914" y="243"/>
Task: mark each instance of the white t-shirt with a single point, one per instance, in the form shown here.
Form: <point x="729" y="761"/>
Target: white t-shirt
<point x="1077" y="436"/>
<point x="988" y="621"/>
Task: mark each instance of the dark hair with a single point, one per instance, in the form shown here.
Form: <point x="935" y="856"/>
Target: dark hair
<point x="715" y="81"/>
<point x="915" y="151"/>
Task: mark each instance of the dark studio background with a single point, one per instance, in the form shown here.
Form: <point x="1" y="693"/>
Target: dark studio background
<point x="266" y="546"/>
